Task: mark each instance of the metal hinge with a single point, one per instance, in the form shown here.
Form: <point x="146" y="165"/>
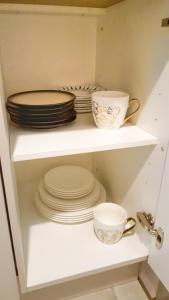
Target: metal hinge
<point x="147" y="222"/>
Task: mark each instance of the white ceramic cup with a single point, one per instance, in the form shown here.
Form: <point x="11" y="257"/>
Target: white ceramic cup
<point x="110" y="107"/>
<point x="111" y="222"/>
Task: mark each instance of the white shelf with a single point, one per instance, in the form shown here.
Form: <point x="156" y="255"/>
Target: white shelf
<point x="81" y="136"/>
<point x="56" y="253"/>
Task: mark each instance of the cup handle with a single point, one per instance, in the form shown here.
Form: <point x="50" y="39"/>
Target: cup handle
<point x="136" y="110"/>
<point x="131" y="227"/>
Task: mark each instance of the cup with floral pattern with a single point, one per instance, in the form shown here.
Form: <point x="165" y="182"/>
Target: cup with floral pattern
<point x="109" y="108"/>
<point x="111" y="222"/>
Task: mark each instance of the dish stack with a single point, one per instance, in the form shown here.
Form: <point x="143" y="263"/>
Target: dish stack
<point x="68" y="194"/>
<point x="83" y="100"/>
<point x="41" y="109"/>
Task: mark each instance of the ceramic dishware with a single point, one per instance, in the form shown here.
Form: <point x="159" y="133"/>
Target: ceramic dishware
<point x="83" y="100"/>
<point x="111" y="222"/>
<point x="71" y="204"/>
<point x="69" y="181"/>
<point x="44" y="109"/>
<point x="110" y="107"/>
<point x="68" y="217"/>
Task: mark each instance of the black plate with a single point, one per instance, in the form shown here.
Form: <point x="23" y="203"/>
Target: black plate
<point x="46" y="117"/>
<point x="39" y="110"/>
<point x="42" y="122"/>
<point x="53" y="125"/>
<point x="12" y="99"/>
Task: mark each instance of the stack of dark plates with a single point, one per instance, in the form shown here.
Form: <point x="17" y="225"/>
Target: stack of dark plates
<point x="41" y="109"/>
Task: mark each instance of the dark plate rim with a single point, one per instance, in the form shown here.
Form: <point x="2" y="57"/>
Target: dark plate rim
<point x="45" y="126"/>
<point x="57" y="108"/>
<point x="40" y="119"/>
<point x="41" y="115"/>
<point x="39" y="123"/>
<point x="38" y="106"/>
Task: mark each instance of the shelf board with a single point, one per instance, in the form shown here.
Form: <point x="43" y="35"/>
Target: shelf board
<point x="81" y="136"/>
<point x="56" y="253"/>
<point x="78" y="3"/>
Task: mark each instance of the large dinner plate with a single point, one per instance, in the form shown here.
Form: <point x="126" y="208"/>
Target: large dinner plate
<point x="42" y="98"/>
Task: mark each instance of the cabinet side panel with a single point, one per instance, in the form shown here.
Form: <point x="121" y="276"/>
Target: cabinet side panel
<point x="8" y="279"/>
<point x="10" y="188"/>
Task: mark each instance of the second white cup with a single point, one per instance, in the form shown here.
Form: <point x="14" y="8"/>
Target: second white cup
<point x="111" y="222"/>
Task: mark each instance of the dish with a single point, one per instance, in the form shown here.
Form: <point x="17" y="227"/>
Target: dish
<point x="67" y="217"/>
<point x="83" y="93"/>
<point x="40" y="98"/>
<point x="67" y="181"/>
<point x="71" y="204"/>
<point x="44" y="126"/>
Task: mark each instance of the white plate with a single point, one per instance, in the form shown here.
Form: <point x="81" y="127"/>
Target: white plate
<point x="67" y="196"/>
<point x="70" y="219"/>
<point x="90" y="88"/>
<point x="83" y="106"/>
<point x="68" y="180"/>
<point x="71" y="204"/>
<point x="83" y="110"/>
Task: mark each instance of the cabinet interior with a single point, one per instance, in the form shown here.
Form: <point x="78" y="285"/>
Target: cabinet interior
<point x="41" y="49"/>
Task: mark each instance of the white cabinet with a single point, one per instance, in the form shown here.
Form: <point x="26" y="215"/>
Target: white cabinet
<point x="122" y="47"/>
<point x="160" y="259"/>
<point x="8" y="283"/>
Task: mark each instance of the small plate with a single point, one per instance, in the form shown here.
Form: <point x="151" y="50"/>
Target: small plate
<point x="74" y="204"/>
<point x="67" y="180"/>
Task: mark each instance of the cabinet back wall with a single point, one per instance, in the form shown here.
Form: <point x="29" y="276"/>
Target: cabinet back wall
<point x="45" y="51"/>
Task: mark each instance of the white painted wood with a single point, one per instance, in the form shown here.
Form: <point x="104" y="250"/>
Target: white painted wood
<point x="10" y="187"/>
<point x="56" y="253"/>
<point x="86" y="285"/>
<point x="50" y="50"/>
<point x="49" y="9"/>
<point x="159" y="259"/>
<point x="8" y="281"/>
<point x="80" y="137"/>
<point x="129" y="57"/>
<point x="133" y="55"/>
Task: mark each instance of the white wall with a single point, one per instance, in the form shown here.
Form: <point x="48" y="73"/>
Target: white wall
<point x="46" y="51"/>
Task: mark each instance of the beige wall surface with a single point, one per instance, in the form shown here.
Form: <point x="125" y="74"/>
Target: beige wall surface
<point x="46" y="51"/>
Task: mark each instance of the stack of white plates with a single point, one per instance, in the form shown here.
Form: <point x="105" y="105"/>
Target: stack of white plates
<point x="68" y="194"/>
<point x="83" y="100"/>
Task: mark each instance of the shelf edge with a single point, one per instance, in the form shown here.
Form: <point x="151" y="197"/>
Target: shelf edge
<point x="89" y="273"/>
<point x="16" y="158"/>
